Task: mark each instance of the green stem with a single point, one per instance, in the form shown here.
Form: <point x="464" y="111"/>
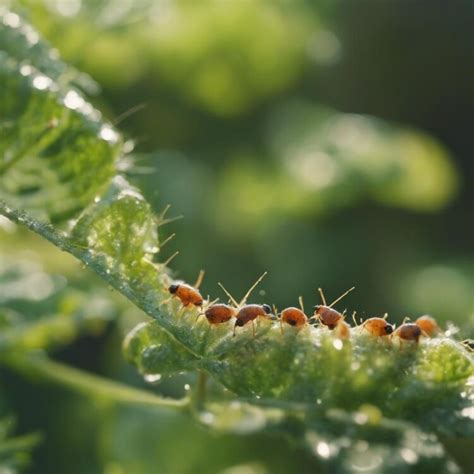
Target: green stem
<point x="35" y="366"/>
<point x="199" y="392"/>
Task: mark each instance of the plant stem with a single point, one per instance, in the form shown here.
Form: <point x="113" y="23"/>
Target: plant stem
<point x="199" y="392"/>
<point x="94" y="386"/>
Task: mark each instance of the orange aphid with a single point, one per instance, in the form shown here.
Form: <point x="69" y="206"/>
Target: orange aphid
<point x="428" y="325"/>
<point x="342" y="330"/>
<point x="292" y="316"/>
<point x="326" y="314"/>
<point x="188" y="295"/>
<point x="377" y="327"/>
<point x="219" y="313"/>
<point x="408" y="332"/>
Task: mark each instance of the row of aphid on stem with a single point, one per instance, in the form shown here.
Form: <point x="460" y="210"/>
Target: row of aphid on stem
<point x="324" y="314"/>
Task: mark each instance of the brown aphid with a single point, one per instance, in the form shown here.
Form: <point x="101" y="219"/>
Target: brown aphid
<point x="248" y="312"/>
<point x="326" y="314"/>
<point x="188" y="295"/>
<point x="220" y="313"/>
<point x="377" y="327"/>
<point x="408" y="332"/>
<point x="428" y="325"/>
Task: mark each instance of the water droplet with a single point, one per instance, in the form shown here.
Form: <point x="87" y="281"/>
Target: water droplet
<point x="409" y="456"/>
<point x="108" y="134"/>
<point x="187" y="387"/>
<point x="337" y="343"/>
<point x="42" y="82"/>
<point x="207" y="418"/>
<point x="12" y="20"/>
<point x="468" y="413"/>
<point x="73" y="100"/>
<point x="152" y="378"/>
<point x="323" y="449"/>
<point x="318" y="401"/>
<point x="26" y="70"/>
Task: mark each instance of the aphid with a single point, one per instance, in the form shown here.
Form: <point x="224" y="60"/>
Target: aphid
<point x="428" y="325"/>
<point x="246" y="313"/>
<point x="220" y="313"/>
<point x="326" y="314"/>
<point x="378" y="326"/>
<point x="188" y="295"/>
<point x="342" y="330"/>
<point x="408" y="332"/>
<point x="295" y="317"/>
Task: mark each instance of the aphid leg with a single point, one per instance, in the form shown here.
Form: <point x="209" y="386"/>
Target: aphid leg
<point x="233" y="332"/>
<point x="342" y="296"/>
<point x="300" y="300"/>
<point x="281" y="327"/>
<point x="199" y="279"/>
<point x="181" y="311"/>
<point x="244" y="299"/>
<point x="322" y="296"/>
<point x="166" y="301"/>
<point x="253" y="327"/>
<point x="231" y="298"/>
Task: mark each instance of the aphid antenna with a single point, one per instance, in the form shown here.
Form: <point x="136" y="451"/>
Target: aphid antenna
<point x="244" y="299"/>
<point x="322" y="296"/>
<point x="342" y="296"/>
<point x="199" y="278"/>
<point x="168" y="239"/>
<point x="405" y="319"/>
<point x="231" y="298"/>
<point x="385" y="316"/>
<point x="168" y="260"/>
<point x="354" y="320"/>
<point x="300" y="301"/>
<point x="210" y="303"/>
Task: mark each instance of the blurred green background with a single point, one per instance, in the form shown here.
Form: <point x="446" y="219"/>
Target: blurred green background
<point x="329" y="143"/>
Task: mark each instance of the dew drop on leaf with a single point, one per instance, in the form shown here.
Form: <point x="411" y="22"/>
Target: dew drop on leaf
<point x="152" y="378"/>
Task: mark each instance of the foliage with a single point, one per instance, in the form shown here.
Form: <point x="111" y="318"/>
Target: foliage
<point x="353" y="404"/>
